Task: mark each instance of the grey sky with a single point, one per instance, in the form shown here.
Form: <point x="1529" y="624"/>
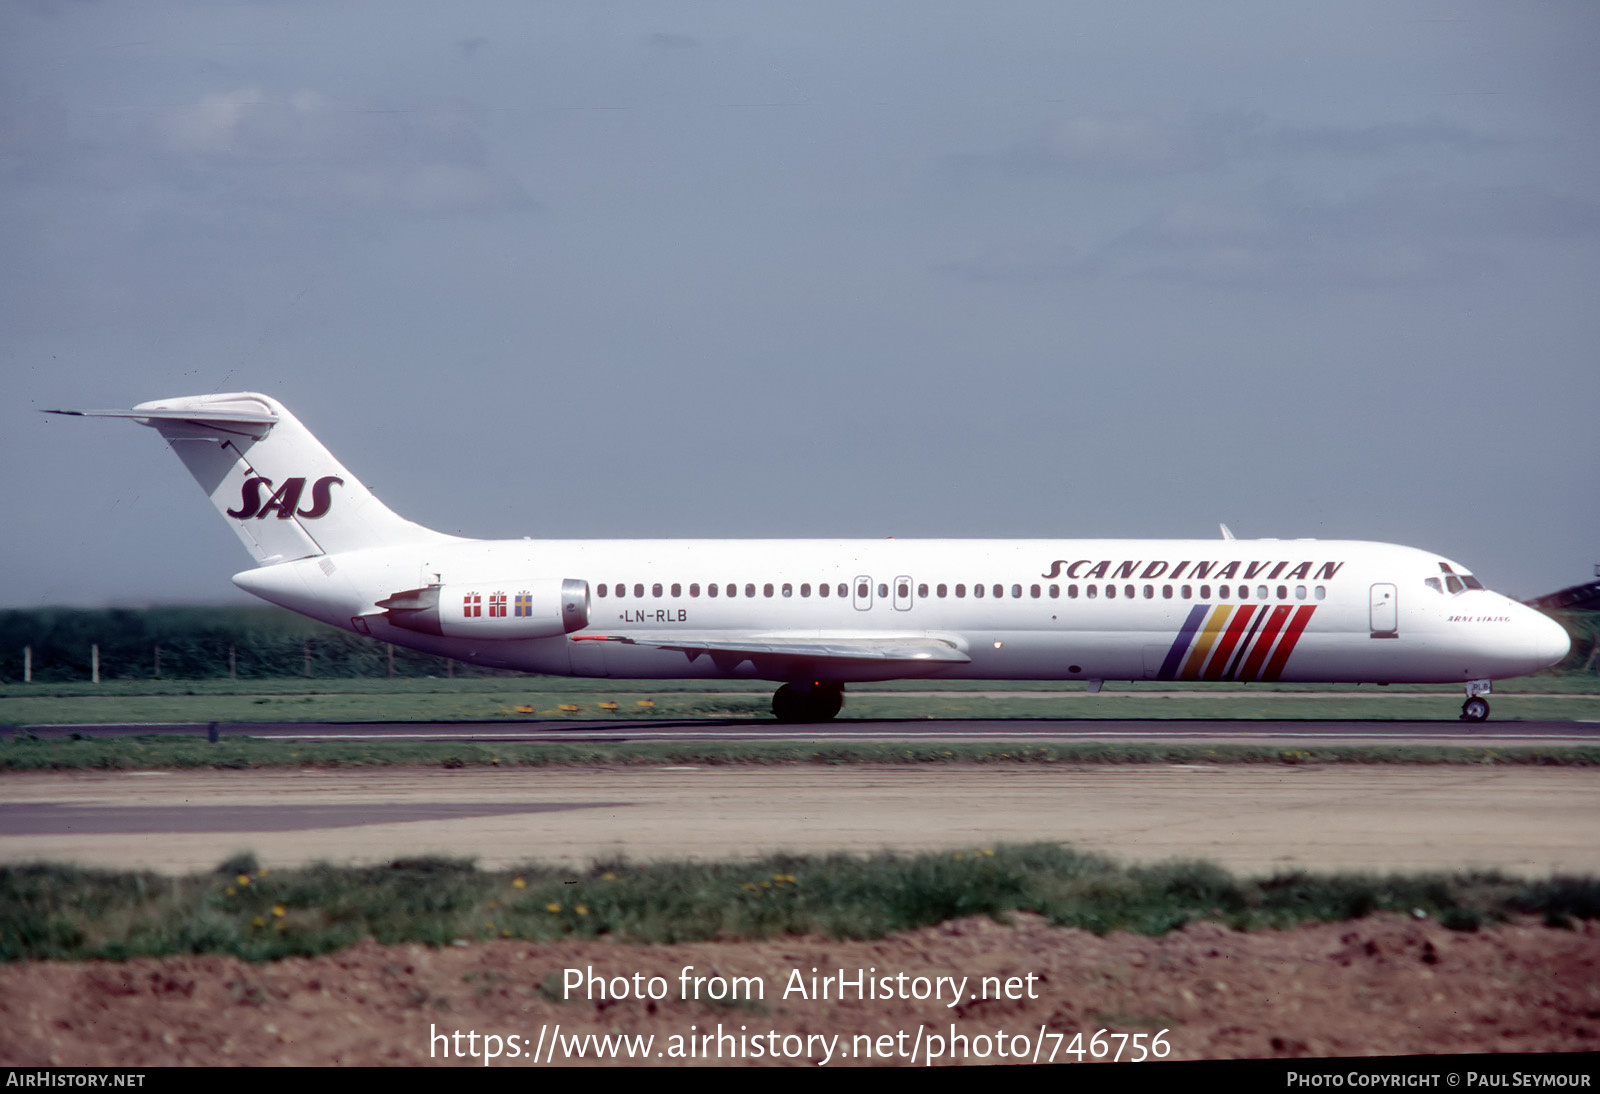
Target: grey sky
<point x="804" y="269"/>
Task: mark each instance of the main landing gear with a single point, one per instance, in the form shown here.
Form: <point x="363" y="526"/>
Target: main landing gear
<point x="1476" y="708"/>
<point x="809" y="701"/>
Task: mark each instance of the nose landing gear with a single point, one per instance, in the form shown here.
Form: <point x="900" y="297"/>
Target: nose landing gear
<point x="1476" y="708"/>
<point x="810" y="701"/>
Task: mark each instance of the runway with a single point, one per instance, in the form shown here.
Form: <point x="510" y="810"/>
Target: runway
<point x="744" y="730"/>
<point x="1251" y="819"/>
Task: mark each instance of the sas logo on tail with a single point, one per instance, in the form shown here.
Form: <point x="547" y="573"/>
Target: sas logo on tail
<point x="286" y="499"/>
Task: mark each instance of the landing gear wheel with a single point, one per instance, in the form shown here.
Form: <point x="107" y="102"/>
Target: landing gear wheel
<point x="791" y="705"/>
<point x="1475" y="710"/>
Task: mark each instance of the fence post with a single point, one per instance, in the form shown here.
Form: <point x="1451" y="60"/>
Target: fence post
<point x="27" y="664"/>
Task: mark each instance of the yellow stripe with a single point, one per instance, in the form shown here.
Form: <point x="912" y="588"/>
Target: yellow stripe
<point x="1202" y="645"/>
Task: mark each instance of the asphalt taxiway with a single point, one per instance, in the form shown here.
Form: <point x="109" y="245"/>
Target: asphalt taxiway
<point x="1249" y="818"/>
<point x="748" y="730"/>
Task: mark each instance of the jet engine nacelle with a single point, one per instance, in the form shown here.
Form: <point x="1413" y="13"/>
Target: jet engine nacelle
<point x="492" y="609"/>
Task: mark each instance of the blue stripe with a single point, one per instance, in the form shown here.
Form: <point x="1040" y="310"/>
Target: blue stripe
<point x="1169" y="667"/>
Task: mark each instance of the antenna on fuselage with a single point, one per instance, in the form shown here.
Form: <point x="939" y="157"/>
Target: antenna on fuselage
<point x="1226" y="534"/>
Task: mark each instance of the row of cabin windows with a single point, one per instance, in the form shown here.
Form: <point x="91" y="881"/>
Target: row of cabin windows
<point x="1035" y="592"/>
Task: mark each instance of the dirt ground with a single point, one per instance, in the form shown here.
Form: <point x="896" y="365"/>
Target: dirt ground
<point x="1379" y="986"/>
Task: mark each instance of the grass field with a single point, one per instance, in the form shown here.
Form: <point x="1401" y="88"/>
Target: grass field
<point x="85" y="752"/>
<point x="66" y="913"/>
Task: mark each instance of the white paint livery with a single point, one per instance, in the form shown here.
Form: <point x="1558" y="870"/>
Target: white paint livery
<point x="816" y="614"/>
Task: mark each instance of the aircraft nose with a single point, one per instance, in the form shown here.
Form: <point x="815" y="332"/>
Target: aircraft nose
<point x="1547" y="640"/>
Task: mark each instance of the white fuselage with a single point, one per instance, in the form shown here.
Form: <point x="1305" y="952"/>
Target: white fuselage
<point x="1239" y="610"/>
<point x="817" y="614"/>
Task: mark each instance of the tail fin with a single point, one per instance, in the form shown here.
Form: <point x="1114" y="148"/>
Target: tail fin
<point x="281" y="491"/>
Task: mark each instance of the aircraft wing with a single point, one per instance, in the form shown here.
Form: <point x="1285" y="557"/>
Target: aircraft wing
<point x="908" y="649"/>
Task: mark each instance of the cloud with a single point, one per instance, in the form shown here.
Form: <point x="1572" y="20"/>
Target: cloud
<point x="1130" y="145"/>
<point x="340" y="155"/>
<point x="1406" y="231"/>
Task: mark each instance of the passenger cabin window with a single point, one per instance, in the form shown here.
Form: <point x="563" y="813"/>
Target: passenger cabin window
<point x="766" y="590"/>
<point x="977" y="590"/>
<point x="1055" y="592"/>
<point x="805" y="590"/>
<point x="961" y="592"/>
<point x="1090" y="592"/>
<point x="863" y="590"/>
<point x="942" y="591"/>
<point x="788" y="589"/>
<point x="655" y="590"/>
<point x="750" y="589"/>
<point x="600" y="589"/>
<point x="711" y="590"/>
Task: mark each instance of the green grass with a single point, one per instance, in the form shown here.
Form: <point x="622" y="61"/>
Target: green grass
<point x="84" y="752"/>
<point x="298" y="700"/>
<point x="66" y="913"/>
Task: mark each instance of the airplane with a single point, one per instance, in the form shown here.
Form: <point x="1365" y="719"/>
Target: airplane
<point x="815" y="615"/>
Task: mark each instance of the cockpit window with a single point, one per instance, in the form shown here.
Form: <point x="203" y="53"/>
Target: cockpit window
<point x="1434" y="584"/>
<point x="1456" y="580"/>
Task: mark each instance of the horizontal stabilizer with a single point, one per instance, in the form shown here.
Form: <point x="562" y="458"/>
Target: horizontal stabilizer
<point x="224" y="421"/>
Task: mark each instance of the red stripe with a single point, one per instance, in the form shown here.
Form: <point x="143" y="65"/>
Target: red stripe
<point x="1269" y="631"/>
<point x="1230" y="638"/>
<point x="1291" y="635"/>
